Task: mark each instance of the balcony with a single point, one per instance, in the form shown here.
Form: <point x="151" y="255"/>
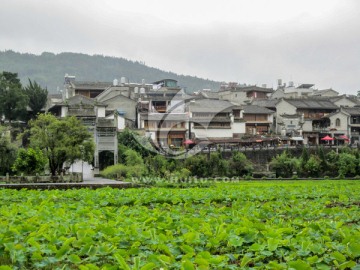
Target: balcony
<point x="320" y="129"/>
<point x="160" y="109"/>
<point x="212" y="127"/>
<point x="238" y="119"/>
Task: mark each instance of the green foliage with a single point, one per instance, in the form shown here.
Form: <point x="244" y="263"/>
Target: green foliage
<point x="198" y="165"/>
<point x="284" y="165"/>
<point x="247" y="225"/>
<point x="347" y="165"/>
<point x="133" y="158"/>
<point x="182" y="174"/>
<point x="240" y="165"/>
<point x="37" y="97"/>
<point x="13" y="99"/>
<point x="133" y="167"/>
<point x="29" y="161"/>
<point x="131" y="140"/>
<point x="7" y="152"/>
<point x="217" y="166"/>
<point x="313" y="167"/>
<point x="62" y="140"/>
<point x="332" y="164"/>
<point x="123" y="172"/>
<point x="157" y="165"/>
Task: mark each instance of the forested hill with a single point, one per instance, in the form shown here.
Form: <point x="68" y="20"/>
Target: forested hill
<point x="48" y="70"/>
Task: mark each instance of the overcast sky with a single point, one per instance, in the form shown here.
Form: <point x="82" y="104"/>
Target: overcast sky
<point x="252" y="42"/>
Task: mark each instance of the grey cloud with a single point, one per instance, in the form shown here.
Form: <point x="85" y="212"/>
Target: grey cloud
<point x="325" y="54"/>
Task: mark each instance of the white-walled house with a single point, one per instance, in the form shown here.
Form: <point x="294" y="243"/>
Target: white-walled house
<point x="93" y="115"/>
<point x="215" y="119"/>
<point x="309" y="116"/>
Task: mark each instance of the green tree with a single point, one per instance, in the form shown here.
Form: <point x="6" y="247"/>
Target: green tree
<point x="284" y="165"/>
<point x="198" y="165"/>
<point x="29" y="161"/>
<point x="132" y="140"/>
<point x="324" y="162"/>
<point x="157" y="165"/>
<point x="217" y="166"/>
<point x="332" y="164"/>
<point x="133" y="158"/>
<point x="13" y="99"/>
<point x="37" y="97"/>
<point x="7" y="152"/>
<point x="312" y="167"/>
<point x="62" y="140"/>
<point x="347" y="165"/>
<point x="240" y="165"/>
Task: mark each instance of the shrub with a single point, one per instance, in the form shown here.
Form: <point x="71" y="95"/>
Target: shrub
<point x="182" y="174"/>
<point x="283" y="165"/>
<point x="347" y="164"/>
<point x="29" y="161"/>
<point x="118" y="171"/>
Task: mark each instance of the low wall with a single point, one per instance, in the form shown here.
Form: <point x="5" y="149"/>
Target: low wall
<point x="69" y="178"/>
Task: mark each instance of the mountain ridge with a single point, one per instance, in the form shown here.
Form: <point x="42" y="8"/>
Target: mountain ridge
<point x="48" y="69"/>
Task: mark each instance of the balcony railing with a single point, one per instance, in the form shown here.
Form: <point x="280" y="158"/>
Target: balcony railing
<point x="320" y="128"/>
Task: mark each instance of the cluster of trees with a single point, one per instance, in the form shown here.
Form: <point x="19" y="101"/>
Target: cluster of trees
<point x="47" y="142"/>
<point x="51" y="144"/>
<point x="342" y="163"/>
<point x="137" y="161"/>
<point x="16" y="99"/>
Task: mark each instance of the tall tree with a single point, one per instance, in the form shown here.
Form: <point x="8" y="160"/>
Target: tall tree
<point x="62" y="140"/>
<point x="37" y="97"/>
<point x="13" y="100"/>
<point x="7" y="152"/>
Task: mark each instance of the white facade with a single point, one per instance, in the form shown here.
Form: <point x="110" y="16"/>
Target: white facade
<point x="100" y="111"/>
<point x="238" y="128"/>
<point x="213" y="133"/>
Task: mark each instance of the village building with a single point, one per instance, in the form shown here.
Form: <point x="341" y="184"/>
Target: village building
<point x="307" y="117"/>
<point x="244" y="94"/>
<point x="93" y="115"/>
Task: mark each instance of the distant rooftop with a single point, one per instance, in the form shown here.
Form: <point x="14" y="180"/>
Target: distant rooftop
<point x="312" y="103"/>
<point x="306" y="85"/>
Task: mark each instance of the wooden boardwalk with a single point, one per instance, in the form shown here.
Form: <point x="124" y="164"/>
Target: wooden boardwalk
<point x="91" y="183"/>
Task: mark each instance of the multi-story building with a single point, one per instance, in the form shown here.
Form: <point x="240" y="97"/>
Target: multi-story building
<point x="243" y="94"/>
<point x="215" y="119"/>
<point x="161" y="113"/>
<point x="258" y="120"/>
<point x="93" y="116"/>
<point x="308" y="117"/>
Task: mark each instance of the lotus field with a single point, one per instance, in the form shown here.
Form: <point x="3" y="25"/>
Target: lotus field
<point x="247" y="225"/>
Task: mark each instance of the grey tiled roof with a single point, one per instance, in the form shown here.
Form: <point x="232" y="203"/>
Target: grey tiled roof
<point x="254" y="109"/>
<point x="267" y="103"/>
<point x="312" y="103"/>
<point x="211" y="105"/>
<point x="253" y="88"/>
<point x="354" y="111"/>
<point x="210" y="94"/>
<point x="91" y="85"/>
<point x="351" y="98"/>
<point x="285" y="115"/>
<point x="77" y="99"/>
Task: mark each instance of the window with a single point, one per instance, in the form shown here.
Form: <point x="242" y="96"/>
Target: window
<point x="337" y="122"/>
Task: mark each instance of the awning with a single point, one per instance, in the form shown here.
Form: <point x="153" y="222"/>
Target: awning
<point x="327" y="138"/>
<point x="297" y="138"/>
